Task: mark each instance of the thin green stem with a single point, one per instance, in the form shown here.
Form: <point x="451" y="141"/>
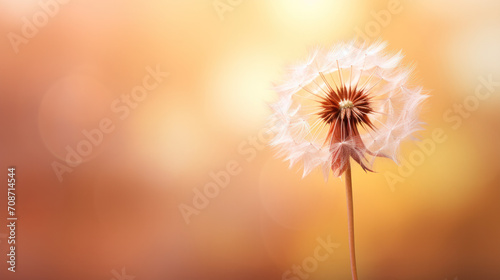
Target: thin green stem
<point x="350" y="220"/>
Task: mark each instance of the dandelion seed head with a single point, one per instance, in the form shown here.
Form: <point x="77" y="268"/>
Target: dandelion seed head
<point x="349" y="101"/>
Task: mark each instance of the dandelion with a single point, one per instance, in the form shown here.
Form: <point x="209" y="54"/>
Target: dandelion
<point x="351" y="101"/>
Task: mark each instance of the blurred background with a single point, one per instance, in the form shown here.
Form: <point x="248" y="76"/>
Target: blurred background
<point x="128" y="202"/>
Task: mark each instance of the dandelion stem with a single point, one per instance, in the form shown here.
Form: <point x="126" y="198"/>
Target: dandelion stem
<point x="350" y="214"/>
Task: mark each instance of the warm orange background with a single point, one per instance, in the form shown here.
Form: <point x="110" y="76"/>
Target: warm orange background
<point x="120" y="207"/>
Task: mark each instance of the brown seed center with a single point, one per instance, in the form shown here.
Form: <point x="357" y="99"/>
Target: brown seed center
<point x="346" y="104"/>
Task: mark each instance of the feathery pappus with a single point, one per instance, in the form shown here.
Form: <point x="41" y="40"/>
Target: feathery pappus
<point x="348" y="101"/>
